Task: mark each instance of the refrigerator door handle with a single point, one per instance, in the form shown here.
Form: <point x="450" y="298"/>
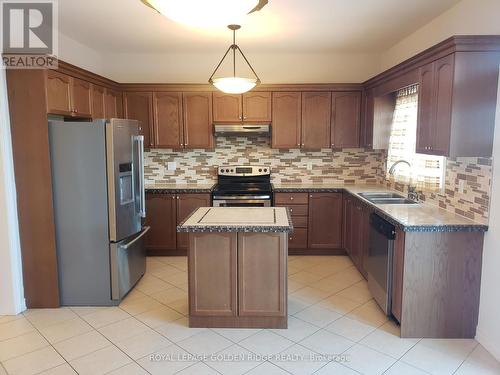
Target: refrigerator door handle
<point x="144" y="231"/>
<point x="142" y="195"/>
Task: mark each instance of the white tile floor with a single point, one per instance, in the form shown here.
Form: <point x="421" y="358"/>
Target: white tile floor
<point x="331" y="312"/>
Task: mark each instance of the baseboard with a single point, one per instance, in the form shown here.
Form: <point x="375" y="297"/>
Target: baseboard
<point x="165" y="252"/>
<point x="316" y="252"/>
<point x="488" y="343"/>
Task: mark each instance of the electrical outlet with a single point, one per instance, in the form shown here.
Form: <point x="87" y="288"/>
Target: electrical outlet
<point x="461" y="186"/>
<point x="171" y="165"/>
<point x="309" y="166"/>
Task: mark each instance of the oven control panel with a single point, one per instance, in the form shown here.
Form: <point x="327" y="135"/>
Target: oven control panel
<point x="244" y="170"/>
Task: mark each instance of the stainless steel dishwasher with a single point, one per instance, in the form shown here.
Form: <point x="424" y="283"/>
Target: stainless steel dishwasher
<point x="380" y="254"/>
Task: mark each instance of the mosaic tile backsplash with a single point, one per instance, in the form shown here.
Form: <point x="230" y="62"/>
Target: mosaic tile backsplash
<point x="473" y="202"/>
<point x="288" y="166"/>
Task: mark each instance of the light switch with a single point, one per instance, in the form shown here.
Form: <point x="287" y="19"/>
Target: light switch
<point x="171" y="165"/>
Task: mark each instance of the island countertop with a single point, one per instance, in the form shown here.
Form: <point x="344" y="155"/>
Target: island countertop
<point x="238" y="219"/>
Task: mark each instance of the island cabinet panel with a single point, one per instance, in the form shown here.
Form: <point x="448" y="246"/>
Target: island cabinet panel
<point x="167" y="113"/>
<point x="227" y="107"/>
<point x="262" y="274"/>
<point x="257" y="106"/>
<point x="325" y="221"/>
<point x="98" y="93"/>
<point x="113" y="104"/>
<point x="287" y="120"/>
<point x="186" y="204"/>
<point x="81" y="98"/>
<point x="346" y="112"/>
<point x="198" y="131"/>
<point x="213" y="274"/>
<point x="316" y="117"/>
<point x="139" y="106"/>
<point x="161" y="217"/>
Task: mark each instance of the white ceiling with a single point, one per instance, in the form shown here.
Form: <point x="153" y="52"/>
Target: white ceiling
<point x="284" y="26"/>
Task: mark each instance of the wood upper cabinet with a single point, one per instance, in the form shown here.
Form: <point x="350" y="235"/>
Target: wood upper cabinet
<point x="435" y="106"/>
<point x="287" y="121"/>
<point x="113" y="107"/>
<point x="168" y="127"/>
<point x="368" y="111"/>
<point x="186" y="204"/>
<point x="161" y="217"/>
<point x="227" y="107"/>
<point x="81" y="97"/>
<point x="68" y="95"/>
<point x="316" y="113"/>
<point x="257" y="106"/>
<point x="98" y="93"/>
<point x="325" y="221"/>
<point x="139" y="106"/>
<point x="197" y="108"/>
<point x="213" y="283"/>
<point x="262" y="274"/>
<point x="345" y="123"/>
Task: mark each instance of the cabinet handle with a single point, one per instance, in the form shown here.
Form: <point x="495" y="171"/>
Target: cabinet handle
<point x="298" y="144"/>
<point x="244" y="117"/>
<point x="291" y="238"/>
<point x="177" y="197"/>
<point x="239" y="117"/>
<point x="291" y="209"/>
<point x="291" y="198"/>
<point x="310" y="196"/>
<point x="333" y="144"/>
<point x="302" y="145"/>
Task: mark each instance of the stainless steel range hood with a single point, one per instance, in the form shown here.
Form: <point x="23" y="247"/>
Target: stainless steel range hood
<point x="242" y="129"/>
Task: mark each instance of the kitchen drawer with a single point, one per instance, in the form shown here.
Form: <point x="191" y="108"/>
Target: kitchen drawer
<point x="291" y="198"/>
<point x="296" y="209"/>
<point x="298" y="239"/>
<point x="299" y="221"/>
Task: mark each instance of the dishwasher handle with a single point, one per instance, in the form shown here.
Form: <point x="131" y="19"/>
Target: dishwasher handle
<point x="383" y="226"/>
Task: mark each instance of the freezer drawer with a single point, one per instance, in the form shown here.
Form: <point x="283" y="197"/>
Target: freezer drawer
<point x="128" y="264"/>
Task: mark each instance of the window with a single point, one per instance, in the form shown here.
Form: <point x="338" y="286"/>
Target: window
<point x="427" y="171"/>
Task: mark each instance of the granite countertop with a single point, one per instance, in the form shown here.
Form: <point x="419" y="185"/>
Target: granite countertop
<point x="238" y="219"/>
<point x="179" y="188"/>
<point x="421" y="217"/>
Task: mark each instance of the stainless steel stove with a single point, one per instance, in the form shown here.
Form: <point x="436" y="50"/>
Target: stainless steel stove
<point x="243" y="186"/>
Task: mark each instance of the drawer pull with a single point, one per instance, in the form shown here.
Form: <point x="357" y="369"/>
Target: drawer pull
<point x="291" y="198"/>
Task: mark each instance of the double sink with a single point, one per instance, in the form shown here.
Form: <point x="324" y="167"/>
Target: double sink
<point x="386" y="198"/>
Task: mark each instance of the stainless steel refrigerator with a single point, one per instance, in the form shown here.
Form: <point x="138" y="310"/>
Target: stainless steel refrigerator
<point x="99" y="204"/>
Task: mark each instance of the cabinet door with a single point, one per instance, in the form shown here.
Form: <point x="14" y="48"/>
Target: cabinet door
<point x="286" y="108"/>
<point x="227" y="107"/>
<point x="186" y="204"/>
<point x="364" y="242"/>
<point x="397" y="274"/>
<point x="443" y="92"/>
<point x="58" y="93"/>
<point x="139" y="106"/>
<point x="98" y="93"/>
<point x="347" y="232"/>
<point x="345" y="126"/>
<point x="425" y="116"/>
<point x="198" y="132"/>
<point x="81" y="98"/>
<point x="325" y="221"/>
<point x="213" y="271"/>
<point x="368" y="105"/>
<point x="262" y="259"/>
<point x="113" y="104"/>
<point x="316" y="113"/>
<point x="161" y="217"/>
<point x="167" y="107"/>
<point x="257" y="106"/>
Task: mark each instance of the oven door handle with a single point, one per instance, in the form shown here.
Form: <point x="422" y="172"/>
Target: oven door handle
<point x="242" y="197"/>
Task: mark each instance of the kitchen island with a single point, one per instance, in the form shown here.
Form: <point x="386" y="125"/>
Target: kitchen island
<point x="237" y="266"/>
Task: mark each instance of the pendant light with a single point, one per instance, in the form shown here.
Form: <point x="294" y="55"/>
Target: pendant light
<point x="234" y="84"/>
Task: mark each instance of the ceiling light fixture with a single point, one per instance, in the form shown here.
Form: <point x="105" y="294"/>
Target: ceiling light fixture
<point x="205" y="13"/>
<point x="234" y="85"/>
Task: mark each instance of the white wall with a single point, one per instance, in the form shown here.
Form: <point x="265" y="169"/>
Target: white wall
<point x="488" y="330"/>
<point x="11" y="283"/>
<point x="475" y="17"/>
<point x="76" y="53"/>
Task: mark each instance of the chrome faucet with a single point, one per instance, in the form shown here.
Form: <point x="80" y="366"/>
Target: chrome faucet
<point x="412" y="190"/>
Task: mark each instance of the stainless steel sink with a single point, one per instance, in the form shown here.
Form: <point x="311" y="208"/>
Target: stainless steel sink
<point x="386" y="198"/>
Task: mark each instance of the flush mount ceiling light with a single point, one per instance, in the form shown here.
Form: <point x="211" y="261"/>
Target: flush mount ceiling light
<point x="234" y="85"/>
<point x="205" y="13"/>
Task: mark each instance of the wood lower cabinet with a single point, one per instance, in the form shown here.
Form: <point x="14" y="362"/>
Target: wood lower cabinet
<point x="197" y="109"/>
<point x="398" y="262"/>
<point x="316" y="117"/>
<point x="298" y="204"/>
<point x="213" y="269"/>
<point x="163" y="213"/>
<point x="98" y="95"/>
<point x="325" y="221"/>
<point x="167" y="114"/>
<point x="139" y="106"/>
<point x="345" y="123"/>
<point x="356" y="219"/>
<point x="162" y="218"/>
<point x="238" y="280"/>
<point x="287" y="120"/>
<point x="186" y="204"/>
